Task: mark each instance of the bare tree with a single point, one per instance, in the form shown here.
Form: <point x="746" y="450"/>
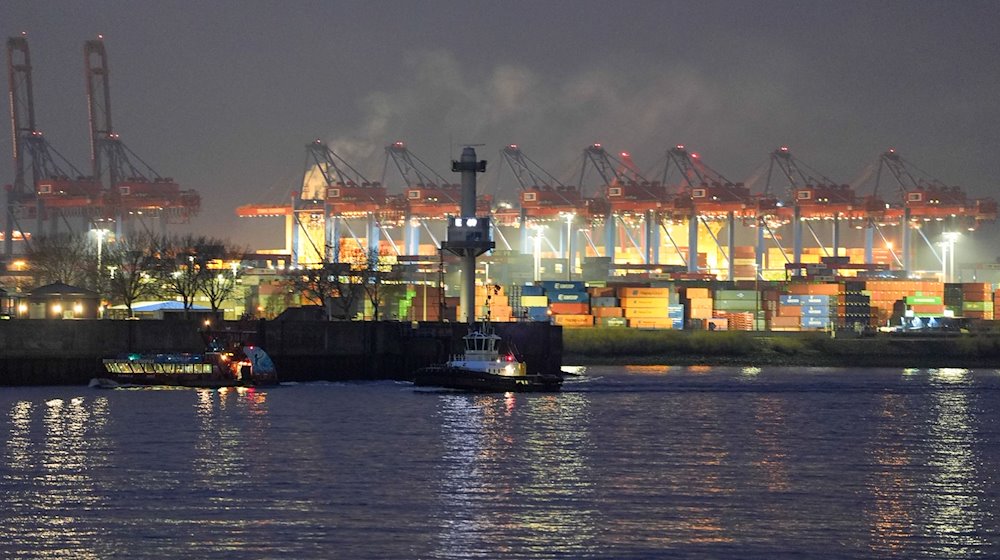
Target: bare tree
<point x="334" y="286"/>
<point x="375" y="271"/>
<point x="181" y="268"/>
<point x="62" y="257"/>
<point x="132" y="263"/>
<point x="226" y="278"/>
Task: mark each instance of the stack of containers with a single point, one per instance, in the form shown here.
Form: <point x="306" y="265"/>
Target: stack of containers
<point x="744" y="261"/>
<point x="648" y="308"/>
<point x="569" y="303"/>
<point x="534" y="306"/>
<point x="739" y="308"/>
<point x="788" y="315"/>
<point x="698" y="305"/>
<point x="953" y="299"/>
<point x="854" y="305"/>
<point x="818" y="303"/>
<point x="922" y="305"/>
<point x="804" y="312"/>
<point x="492" y="299"/>
<point x="977" y="300"/>
<point x="605" y="308"/>
<point x="885" y="293"/>
<point x="425" y="305"/>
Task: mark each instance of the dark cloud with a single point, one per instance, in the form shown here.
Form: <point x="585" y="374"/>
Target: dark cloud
<point x="224" y="96"/>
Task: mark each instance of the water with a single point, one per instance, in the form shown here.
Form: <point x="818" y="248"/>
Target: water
<point x="637" y="462"/>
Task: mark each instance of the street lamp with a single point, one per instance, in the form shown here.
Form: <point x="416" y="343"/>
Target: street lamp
<point x="948" y="255"/>
<point x="569" y="245"/>
<point x="539" y="230"/>
<point x="100" y="234"/>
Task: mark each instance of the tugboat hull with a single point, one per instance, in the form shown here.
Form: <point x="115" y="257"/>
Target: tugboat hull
<point x="478" y="381"/>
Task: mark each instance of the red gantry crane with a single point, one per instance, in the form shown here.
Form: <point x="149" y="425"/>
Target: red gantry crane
<point x="134" y="189"/>
<point x="631" y="199"/>
<point x="46" y="186"/>
<point x="703" y="195"/>
<point x="810" y="196"/>
<point x="925" y="200"/>
<point x="427" y="195"/>
<point x="545" y="199"/>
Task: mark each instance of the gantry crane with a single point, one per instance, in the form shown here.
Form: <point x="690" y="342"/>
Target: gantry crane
<point x="703" y="194"/>
<point x="134" y="189"/>
<point x="925" y="200"/>
<point x="54" y="189"/>
<point x="343" y="194"/>
<point x="630" y="197"/>
<point x="543" y="198"/>
<point x="810" y="196"/>
<point x="427" y="195"/>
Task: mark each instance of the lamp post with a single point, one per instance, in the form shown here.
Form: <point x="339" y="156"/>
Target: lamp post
<point x="539" y="230"/>
<point x="948" y="255"/>
<point x="756" y="288"/>
<point x="101" y="234"/>
<point x="569" y="244"/>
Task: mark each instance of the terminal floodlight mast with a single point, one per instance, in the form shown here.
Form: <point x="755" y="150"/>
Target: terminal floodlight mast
<point x="468" y="234"/>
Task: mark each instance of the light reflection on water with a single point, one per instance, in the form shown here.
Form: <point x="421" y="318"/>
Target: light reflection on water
<point x="635" y="462"/>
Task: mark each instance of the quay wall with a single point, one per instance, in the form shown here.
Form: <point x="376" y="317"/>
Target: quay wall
<point x="56" y="352"/>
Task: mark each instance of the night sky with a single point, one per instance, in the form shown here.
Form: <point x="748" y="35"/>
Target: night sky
<point x="224" y="96"/>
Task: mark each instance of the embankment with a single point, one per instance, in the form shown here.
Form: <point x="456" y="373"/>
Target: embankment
<point x="56" y="352"/>
<point x="617" y="346"/>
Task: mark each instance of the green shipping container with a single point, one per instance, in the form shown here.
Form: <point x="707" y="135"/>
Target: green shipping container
<point x="977" y="306"/>
<point x="923" y="300"/>
<point x="736" y="305"/>
<point x="613" y="322"/>
<point x="737" y="295"/>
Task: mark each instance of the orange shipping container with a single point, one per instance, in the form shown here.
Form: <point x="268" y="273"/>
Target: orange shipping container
<point x="939" y="309"/>
<point x="700" y="313"/>
<point x="701" y="304"/>
<point x="789" y="310"/>
<point x="574" y="320"/>
<point x="644" y="292"/>
<point x="645" y="312"/>
<point x="692" y="293"/>
<point x="785" y="322"/>
<point x="606" y="312"/>
<point x="651" y="324"/>
<point x="656" y="302"/>
<point x="569" y="308"/>
<point x="601" y="291"/>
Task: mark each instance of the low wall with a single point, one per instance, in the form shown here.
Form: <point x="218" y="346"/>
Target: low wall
<point x="49" y="352"/>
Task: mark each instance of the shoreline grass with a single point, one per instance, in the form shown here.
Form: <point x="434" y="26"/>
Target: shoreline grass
<point x="633" y="346"/>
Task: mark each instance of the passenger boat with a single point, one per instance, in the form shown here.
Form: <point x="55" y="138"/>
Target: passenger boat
<point x="483" y="368"/>
<point x="223" y="364"/>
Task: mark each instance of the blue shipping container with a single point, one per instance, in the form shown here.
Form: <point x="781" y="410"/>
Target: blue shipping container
<point x="816" y="300"/>
<point x="790" y="300"/>
<point x="815" y="322"/>
<point x="566" y="285"/>
<point x="532" y="291"/>
<point x="815" y="311"/>
<point x="677" y="324"/>
<point x="537" y="313"/>
<point x="562" y="296"/>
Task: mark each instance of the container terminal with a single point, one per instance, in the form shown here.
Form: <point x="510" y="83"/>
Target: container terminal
<point x="684" y="247"/>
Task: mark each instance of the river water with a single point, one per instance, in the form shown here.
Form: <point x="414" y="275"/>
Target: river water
<point x="626" y="462"/>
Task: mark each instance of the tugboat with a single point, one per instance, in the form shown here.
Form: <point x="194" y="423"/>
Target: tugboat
<point x="482" y="368"/>
<point x="228" y="361"/>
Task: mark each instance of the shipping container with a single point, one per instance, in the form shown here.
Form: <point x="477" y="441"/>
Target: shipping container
<point x="644" y="292"/>
<point x="563" y="285"/>
<point x="569" y="308"/>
